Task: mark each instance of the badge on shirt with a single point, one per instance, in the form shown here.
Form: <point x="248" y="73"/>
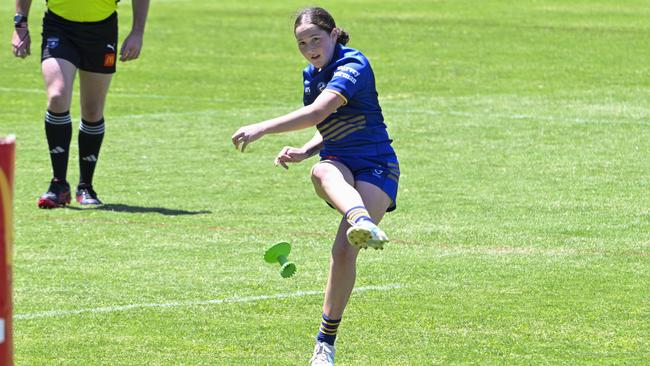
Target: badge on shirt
<point x="109" y="59"/>
<point x="52" y="42"/>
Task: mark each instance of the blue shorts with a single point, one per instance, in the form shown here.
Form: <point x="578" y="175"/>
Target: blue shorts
<point x="381" y="171"/>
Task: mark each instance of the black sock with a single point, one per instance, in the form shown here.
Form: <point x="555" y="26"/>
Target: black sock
<point x="58" y="130"/>
<point x="91" y="135"/>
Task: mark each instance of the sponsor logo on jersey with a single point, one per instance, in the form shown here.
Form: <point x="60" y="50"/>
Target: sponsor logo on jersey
<point x="345" y="76"/>
<point x="349" y="70"/>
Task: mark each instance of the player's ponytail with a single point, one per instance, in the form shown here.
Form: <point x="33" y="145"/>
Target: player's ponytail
<point x="323" y="20"/>
<point x="343" y="38"/>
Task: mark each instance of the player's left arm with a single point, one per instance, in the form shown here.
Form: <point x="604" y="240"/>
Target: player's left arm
<point x="290" y="154"/>
<point x="132" y="44"/>
<point x="308" y="116"/>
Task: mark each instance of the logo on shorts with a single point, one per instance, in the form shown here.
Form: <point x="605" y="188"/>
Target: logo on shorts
<point x="321" y="86"/>
<point x="52" y="42"/>
<point x="109" y="59"/>
<point x="377" y="172"/>
<point x="307" y="90"/>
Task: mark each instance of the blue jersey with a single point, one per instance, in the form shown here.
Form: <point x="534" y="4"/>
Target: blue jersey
<point x="357" y="128"/>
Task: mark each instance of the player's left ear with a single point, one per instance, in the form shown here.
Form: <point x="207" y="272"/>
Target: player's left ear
<point x="335" y="34"/>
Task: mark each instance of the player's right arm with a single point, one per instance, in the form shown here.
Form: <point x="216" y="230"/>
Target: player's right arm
<point x="307" y="116"/>
<point x="20" y="40"/>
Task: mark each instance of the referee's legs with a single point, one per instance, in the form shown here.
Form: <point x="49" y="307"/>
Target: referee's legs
<point x="93" y="90"/>
<point x="59" y="80"/>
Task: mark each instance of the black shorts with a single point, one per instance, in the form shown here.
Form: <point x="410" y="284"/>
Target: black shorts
<point x="90" y="46"/>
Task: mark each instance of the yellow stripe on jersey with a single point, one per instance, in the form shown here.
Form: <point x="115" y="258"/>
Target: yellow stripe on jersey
<point x="337" y="122"/>
<point x="339" y="126"/>
<point x="342" y="136"/>
<point x="345" y="100"/>
<point x="341" y="132"/>
<point x="334" y="123"/>
<point x="83" y="10"/>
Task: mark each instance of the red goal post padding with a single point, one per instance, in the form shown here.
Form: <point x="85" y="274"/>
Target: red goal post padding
<point x="7" y="155"/>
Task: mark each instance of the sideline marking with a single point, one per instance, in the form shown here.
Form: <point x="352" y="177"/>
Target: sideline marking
<point x="111" y="309"/>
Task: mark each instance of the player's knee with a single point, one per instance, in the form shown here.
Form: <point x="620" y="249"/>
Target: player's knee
<point x="319" y="174"/>
<point x="58" y="101"/>
<point x="319" y="180"/>
<point x="92" y="112"/>
<point x="323" y="175"/>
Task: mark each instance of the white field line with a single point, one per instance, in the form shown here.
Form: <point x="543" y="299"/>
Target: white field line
<point x="396" y="110"/>
<point x="432" y="112"/>
<point x="175" y="304"/>
<point x="399" y="109"/>
<point x="152" y="96"/>
<point x="491" y="115"/>
<point x="130" y="95"/>
<point x="199" y="113"/>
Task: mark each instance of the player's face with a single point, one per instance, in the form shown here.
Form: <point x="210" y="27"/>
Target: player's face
<point x="315" y="44"/>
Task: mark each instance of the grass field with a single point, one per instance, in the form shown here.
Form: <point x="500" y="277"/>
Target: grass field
<point x="522" y="235"/>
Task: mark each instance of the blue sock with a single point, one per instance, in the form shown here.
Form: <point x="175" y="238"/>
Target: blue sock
<point x="327" y="331"/>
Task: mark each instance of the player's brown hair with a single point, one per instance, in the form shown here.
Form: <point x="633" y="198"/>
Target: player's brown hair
<point x="323" y="20"/>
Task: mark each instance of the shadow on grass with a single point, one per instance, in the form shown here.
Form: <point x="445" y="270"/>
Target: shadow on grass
<point x="120" y="207"/>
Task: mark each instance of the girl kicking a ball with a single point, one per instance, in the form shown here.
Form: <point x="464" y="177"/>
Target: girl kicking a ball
<point x="358" y="171"/>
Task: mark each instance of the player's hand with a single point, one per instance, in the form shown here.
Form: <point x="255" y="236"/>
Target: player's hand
<point x="247" y="134"/>
<point x="290" y="154"/>
<point x="20" y="42"/>
<point x="131" y="47"/>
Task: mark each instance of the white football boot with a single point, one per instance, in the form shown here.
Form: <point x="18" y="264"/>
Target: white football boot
<point x="366" y="234"/>
<point x="323" y="355"/>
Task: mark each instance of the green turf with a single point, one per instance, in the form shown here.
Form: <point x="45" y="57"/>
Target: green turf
<point x="522" y="235"/>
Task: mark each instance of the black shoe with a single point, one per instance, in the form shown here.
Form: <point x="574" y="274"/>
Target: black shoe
<point x="86" y="195"/>
<point x="58" y="195"/>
